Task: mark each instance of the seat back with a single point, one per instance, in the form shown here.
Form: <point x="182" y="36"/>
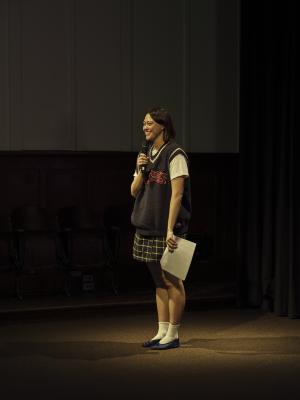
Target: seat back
<point x="32" y="218"/>
<point x="7" y="249"/>
<point x="36" y="235"/>
<point x="5" y="225"/>
<point x="86" y="238"/>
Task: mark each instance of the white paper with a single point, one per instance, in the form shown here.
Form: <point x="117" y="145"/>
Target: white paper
<point x="178" y="262"/>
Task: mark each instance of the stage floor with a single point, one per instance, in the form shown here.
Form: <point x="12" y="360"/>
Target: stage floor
<point x="96" y="353"/>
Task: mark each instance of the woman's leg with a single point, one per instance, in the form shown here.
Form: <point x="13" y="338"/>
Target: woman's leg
<point x="170" y="294"/>
<point x="170" y="301"/>
<point x="162" y="297"/>
<point x="176" y="294"/>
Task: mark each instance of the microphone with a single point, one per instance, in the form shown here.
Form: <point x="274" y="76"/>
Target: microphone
<point x="144" y="150"/>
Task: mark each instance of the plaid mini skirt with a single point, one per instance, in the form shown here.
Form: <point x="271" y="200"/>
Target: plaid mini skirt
<point x="149" y="248"/>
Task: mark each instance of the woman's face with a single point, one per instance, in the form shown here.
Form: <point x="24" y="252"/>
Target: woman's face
<point x="151" y="128"/>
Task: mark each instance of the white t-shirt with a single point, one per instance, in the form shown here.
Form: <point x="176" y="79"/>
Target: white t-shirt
<point x="178" y="166"/>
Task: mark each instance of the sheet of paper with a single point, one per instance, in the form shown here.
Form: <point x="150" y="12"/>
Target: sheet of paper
<point x="178" y="262"/>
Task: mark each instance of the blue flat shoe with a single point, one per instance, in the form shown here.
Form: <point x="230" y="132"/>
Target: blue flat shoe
<point x="171" y="345"/>
<point x="150" y="343"/>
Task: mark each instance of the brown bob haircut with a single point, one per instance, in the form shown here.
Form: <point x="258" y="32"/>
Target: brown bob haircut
<point x="161" y="116"/>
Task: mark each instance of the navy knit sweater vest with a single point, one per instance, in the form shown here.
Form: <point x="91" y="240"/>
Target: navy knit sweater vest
<point x="151" y="209"/>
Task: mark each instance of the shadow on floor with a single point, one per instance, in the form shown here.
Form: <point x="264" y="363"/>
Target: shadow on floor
<point x="97" y="350"/>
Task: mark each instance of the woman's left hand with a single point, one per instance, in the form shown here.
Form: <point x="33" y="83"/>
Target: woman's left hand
<point x="171" y="242"/>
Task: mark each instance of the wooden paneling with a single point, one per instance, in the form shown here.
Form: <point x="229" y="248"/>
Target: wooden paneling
<point x="46" y="77"/>
<point x="79" y="75"/>
<point x="15" y="74"/>
<point x="214" y="59"/>
<point x="64" y="187"/>
<point x="157" y="61"/>
<point x="19" y="186"/>
<point x="4" y="78"/>
<point x="98" y="63"/>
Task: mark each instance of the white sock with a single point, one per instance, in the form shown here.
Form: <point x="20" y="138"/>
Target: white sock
<point x="172" y="334"/>
<point x="162" y="330"/>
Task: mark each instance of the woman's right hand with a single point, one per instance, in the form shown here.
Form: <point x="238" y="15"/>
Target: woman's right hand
<point x="138" y="179"/>
<point x="142" y="160"/>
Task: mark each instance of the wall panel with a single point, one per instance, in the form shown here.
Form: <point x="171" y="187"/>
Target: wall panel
<point x="79" y="75"/>
<point x="45" y="80"/>
<point x="157" y="61"/>
<point x="19" y="186"/>
<point x="4" y="77"/>
<point x="214" y="76"/>
<point x="98" y="63"/>
<point x="64" y="187"/>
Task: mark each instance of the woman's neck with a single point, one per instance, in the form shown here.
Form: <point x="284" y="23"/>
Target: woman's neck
<point x="158" y="142"/>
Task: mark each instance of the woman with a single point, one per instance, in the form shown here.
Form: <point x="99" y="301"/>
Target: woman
<point x="161" y="211"/>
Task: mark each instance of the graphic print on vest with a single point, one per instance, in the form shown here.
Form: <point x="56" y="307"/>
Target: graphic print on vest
<point x="159" y="177"/>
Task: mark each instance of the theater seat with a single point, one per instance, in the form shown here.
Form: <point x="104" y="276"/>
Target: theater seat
<point x="86" y="245"/>
<point x="9" y="263"/>
<point x="40" y="251"/>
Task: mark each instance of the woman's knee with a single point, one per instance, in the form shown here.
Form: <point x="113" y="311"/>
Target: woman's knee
<point x="172" y="281"/>
<point x="158" y="276"/>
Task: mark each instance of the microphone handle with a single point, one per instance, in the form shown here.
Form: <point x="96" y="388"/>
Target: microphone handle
<point x="144" y="150"/>
<point x="144" y="168"/>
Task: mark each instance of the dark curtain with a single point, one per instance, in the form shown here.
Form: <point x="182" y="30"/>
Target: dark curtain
<point x="269" y="241"/>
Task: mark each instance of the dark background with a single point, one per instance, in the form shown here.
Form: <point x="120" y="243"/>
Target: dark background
<point x="75" y="81"/>
<point x="55" y="181"/>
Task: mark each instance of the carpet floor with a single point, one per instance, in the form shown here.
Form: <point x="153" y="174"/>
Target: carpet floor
<point x="97" y="354"/>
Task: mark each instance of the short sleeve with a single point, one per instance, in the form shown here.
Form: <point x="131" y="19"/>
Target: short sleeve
<point x="178" y="167"/>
